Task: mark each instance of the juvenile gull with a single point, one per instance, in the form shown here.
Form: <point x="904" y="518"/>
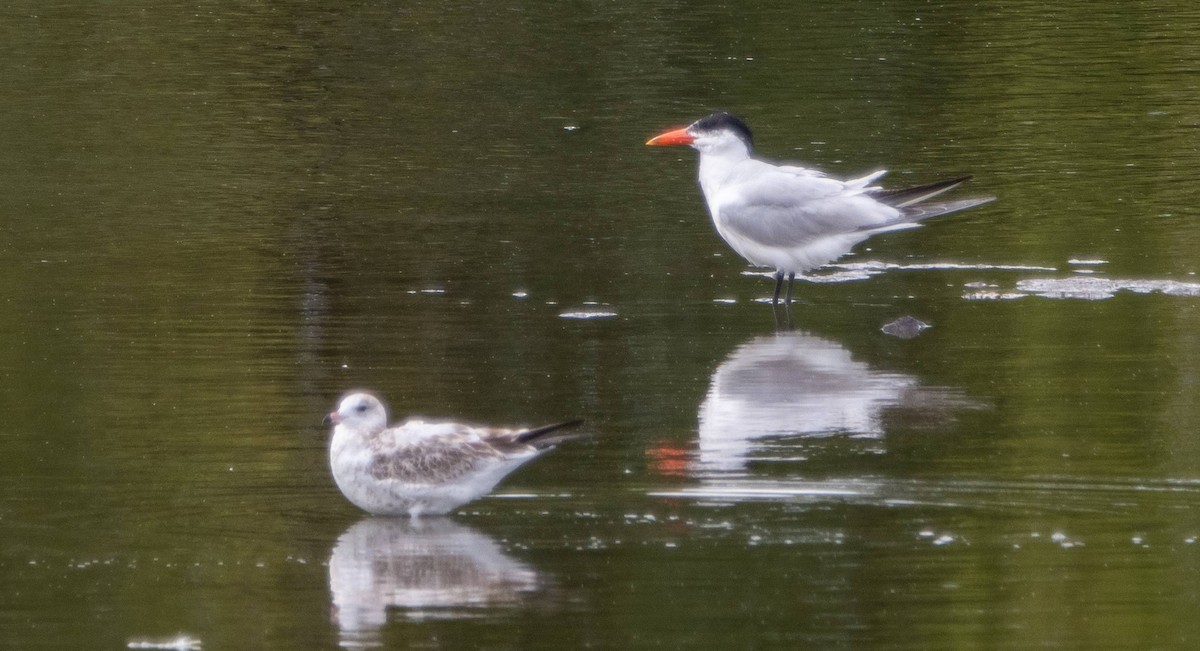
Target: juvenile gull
<point x="792" y="218"/>
<point x="420" y="468"/>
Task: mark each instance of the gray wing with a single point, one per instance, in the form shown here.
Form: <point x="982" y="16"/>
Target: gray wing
<point x="778" y="208"/>
<point x="434" y="460"/>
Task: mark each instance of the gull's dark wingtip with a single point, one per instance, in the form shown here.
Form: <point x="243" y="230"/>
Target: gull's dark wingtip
<point x="535" y="436"/>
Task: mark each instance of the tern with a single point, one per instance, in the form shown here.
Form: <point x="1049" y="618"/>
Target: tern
<point x="421" y="467"/>
<point x="792" y="218"/>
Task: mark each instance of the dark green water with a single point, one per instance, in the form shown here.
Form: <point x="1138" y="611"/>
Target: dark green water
<point x="216" y="219"/>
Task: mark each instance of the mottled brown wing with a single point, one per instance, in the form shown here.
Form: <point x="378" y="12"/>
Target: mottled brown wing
<point x="434" y="461"/>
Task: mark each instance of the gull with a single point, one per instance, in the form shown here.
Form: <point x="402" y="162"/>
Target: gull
<point x="421" y="467"/>
<point x="791" y="218"/>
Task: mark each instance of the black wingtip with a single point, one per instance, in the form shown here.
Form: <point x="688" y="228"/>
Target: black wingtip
<point x="904" y="197"/>
<point x="538" y="432"/>
<point x="925" y="211"/>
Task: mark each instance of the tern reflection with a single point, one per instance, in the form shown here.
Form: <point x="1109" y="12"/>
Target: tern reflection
<point x="432" y="568"/>
<point x="795" y="384"/>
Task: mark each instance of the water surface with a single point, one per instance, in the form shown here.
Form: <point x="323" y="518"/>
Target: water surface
<point x="216" y="220"/>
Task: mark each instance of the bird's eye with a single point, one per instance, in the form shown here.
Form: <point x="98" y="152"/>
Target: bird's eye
<point x="362" y="407"/>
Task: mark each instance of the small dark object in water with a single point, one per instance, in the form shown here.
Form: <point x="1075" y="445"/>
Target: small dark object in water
<point x="906" y="327"/>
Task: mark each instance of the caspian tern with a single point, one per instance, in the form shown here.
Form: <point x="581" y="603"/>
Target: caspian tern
<point x="418" y="467"/>
<point x="793" y="218"/>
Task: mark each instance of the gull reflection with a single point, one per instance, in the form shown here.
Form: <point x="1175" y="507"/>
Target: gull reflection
<point x="796" y="384"/>
<point x="433" y="568"/>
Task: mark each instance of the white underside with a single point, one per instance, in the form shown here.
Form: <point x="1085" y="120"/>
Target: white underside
<point x="350" y="460"/>
<point x="390" y="497"/>
<point x="791" y="260"/>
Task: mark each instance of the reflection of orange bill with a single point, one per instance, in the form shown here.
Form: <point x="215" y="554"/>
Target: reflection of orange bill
<point x="668" y="460"/>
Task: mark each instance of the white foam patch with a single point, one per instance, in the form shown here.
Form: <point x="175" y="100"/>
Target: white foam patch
<point x="587" y="314"/>
<point x="852" y="271"/>
<point x="1087" y="288"/>
<point x="992" y="296"/>
<point x="771" y="491"/>
<point x="936" y="266"/>
<point x="753" y="493"/>
<point x="181" y="643"/>
<point x="846" y="276"/>
<point x="843" y="276"/>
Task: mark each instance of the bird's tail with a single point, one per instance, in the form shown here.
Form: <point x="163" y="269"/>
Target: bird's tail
<point x="912" y="211"/>
<point x="537" y="437"/>
<point x="905" y="197"/>
<point x="928" y="210"/>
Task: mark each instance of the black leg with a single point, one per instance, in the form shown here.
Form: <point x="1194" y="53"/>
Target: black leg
<point x="778" y="286"/>
<point x="791" y="281"/>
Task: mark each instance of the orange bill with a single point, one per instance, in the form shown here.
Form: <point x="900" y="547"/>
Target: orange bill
<point x="675" y="137"/>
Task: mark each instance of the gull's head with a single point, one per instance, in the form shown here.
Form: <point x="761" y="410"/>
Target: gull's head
<point x="360" y="411"/>
<point x="720" y="133"/>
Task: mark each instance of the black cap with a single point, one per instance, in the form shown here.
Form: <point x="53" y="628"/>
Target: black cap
<point x="723" y="120"/>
